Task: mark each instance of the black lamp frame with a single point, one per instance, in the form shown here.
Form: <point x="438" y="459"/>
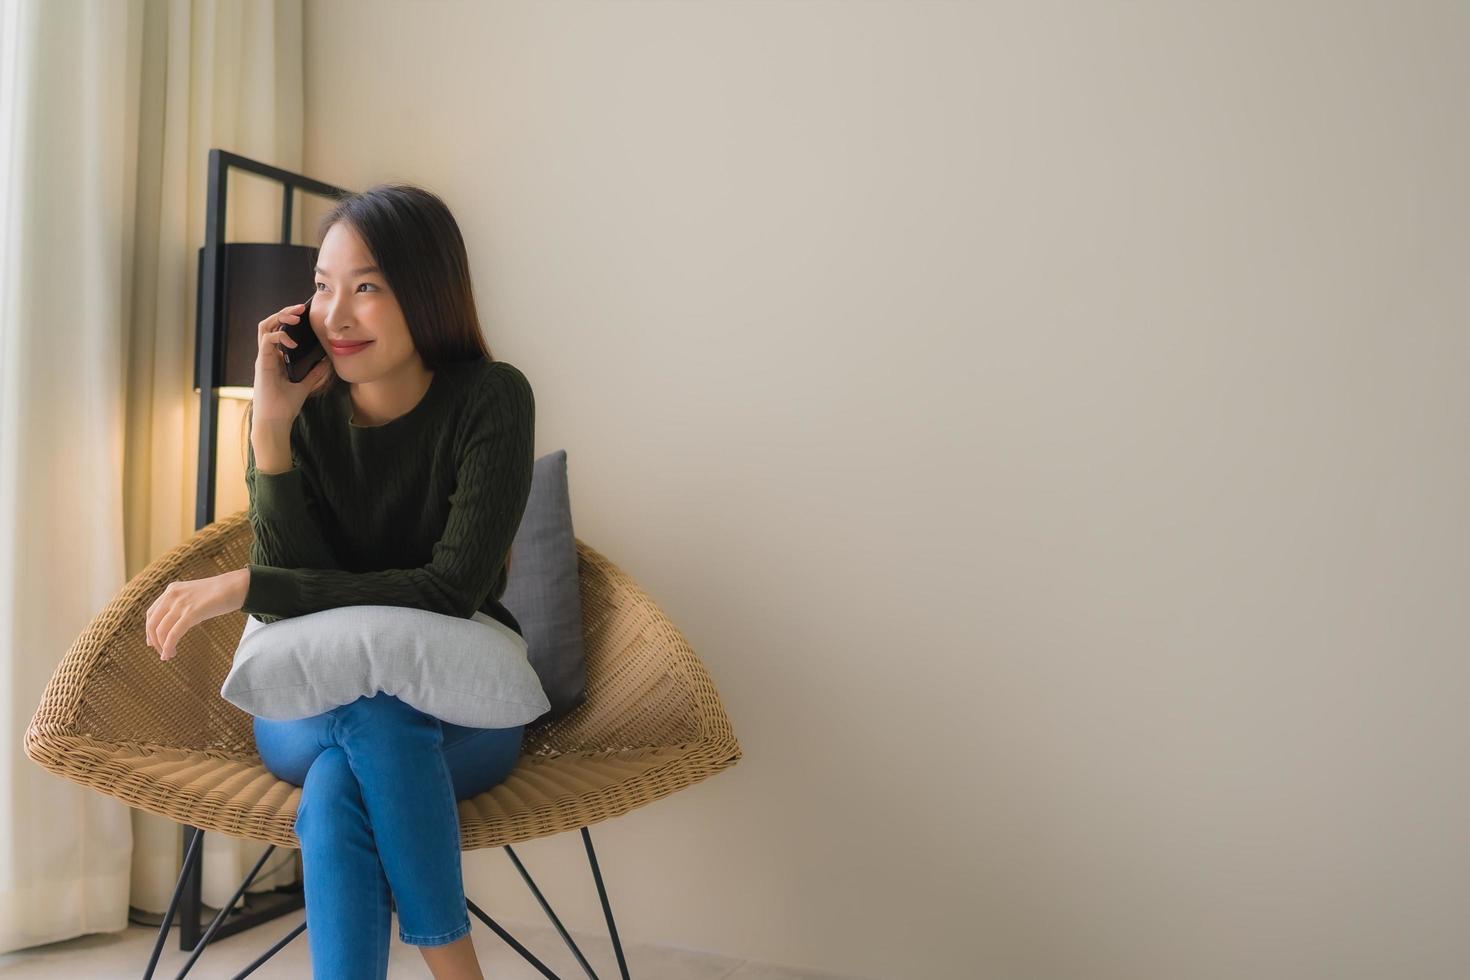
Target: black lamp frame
<point x="209" y="361"/>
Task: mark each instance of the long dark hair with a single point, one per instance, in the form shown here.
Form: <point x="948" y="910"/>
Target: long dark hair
<point x="416" y="243"/>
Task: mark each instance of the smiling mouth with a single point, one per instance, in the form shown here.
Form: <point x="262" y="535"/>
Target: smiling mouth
<point x="347" y="348"/>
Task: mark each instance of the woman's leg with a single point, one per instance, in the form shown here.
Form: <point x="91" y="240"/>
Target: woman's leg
<point x="348" y="918"/>
<point x="397" y="754"/>
<point x="478" y="758"/>
<point x="469" y="761"/>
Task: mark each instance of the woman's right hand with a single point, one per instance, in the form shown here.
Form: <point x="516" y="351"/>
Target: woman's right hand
<point x="277" y="398"/>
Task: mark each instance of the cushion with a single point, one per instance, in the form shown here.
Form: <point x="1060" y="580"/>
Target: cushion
<point x="542" y="591"/>
<point x="472" y="672"/>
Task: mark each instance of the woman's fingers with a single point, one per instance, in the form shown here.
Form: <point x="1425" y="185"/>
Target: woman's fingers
<point x="270" y="322"/>
<point x="160" y="632"/>
<point x="173" y="629"/>
<point x="148" y="623"/>
<point x="268" y="341"/>
<point x="163" y="631"/>
<point x="157" y="612"/>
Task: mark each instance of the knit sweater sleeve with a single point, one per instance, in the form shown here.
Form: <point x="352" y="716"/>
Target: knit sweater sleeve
<point x="285" y="518"/>
<point x="492" y="485"/>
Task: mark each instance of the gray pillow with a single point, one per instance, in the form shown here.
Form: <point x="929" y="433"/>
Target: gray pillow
<point x="542" y="591"/>
<point x="471" y="672"/>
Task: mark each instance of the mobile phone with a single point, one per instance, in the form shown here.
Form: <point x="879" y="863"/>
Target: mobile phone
<point x="308" y="350"/>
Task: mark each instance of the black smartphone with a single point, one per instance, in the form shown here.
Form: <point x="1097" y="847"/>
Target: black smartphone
<point x="308" y="350"/>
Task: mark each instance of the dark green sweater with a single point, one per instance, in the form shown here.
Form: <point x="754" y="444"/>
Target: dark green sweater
<point x="419" y="511"/>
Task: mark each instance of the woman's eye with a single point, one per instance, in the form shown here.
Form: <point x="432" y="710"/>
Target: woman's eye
<point x="359" y="284"/>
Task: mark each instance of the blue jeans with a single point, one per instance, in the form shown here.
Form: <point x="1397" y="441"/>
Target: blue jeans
<point x="380" y="784"/>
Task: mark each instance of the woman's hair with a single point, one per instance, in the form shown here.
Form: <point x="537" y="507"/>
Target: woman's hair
<point x="416" y="243"/>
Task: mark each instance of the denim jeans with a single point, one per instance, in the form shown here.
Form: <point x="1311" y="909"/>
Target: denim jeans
<point x="379" y="821"/>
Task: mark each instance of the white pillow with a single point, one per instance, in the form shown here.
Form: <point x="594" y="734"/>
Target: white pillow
<point x="471" y="672"/>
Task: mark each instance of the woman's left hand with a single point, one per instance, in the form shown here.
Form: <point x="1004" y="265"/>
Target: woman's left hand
<point x="185" y="604"/>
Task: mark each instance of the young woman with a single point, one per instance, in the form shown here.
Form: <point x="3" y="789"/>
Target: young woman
<point x="395" y="473"/>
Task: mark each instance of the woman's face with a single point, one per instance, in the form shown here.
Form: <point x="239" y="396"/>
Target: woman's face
<point x="353" y="304"/>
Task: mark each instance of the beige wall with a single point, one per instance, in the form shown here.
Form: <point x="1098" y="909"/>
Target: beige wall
<point x="1048" y="423"/>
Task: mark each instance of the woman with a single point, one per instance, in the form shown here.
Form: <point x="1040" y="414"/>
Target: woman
<point x="395" y="473"/>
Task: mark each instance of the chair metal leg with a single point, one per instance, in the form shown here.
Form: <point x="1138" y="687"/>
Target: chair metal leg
<point x="606" y="908"/>
<point x="300" y="928"/>
<point x="220" y="916"/>
<point x="262" y="908"/>
<point x="546" y="907"/>
<point x="193" y="857"/>
<point x="191" y="899"/>
<point x="510" y="940"/>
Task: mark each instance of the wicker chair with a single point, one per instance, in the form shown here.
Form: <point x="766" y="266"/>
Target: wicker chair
<point x="158" y="736"/>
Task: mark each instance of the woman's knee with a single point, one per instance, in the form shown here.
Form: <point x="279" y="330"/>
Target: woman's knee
<point x="330" y="793"/>
<point x="288" y="748"/>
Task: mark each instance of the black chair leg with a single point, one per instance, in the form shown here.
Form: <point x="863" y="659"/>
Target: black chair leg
<point x="193" y="857"/>
<point x="546" y="907"/>
<point x="510" y="940"/>
<point x="606" y="908"/>
<point x="271" y="952"/>
<point x="224" y="911"/>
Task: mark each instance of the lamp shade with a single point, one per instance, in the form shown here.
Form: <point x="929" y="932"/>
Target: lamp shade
<point x="257" y="279"/>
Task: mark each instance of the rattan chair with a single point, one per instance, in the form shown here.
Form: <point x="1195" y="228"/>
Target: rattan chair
<point x="158" y="736"/>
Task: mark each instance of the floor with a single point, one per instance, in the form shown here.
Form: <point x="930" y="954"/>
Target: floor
<point x="125" y="955"/>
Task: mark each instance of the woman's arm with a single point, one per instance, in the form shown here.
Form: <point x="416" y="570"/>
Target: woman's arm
<point x="284" y="511"/>
<point x="271" y="448"/>
<point x="282" y="514"/>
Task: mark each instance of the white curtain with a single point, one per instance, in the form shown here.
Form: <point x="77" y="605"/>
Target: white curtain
<point x="108" y="109"/>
